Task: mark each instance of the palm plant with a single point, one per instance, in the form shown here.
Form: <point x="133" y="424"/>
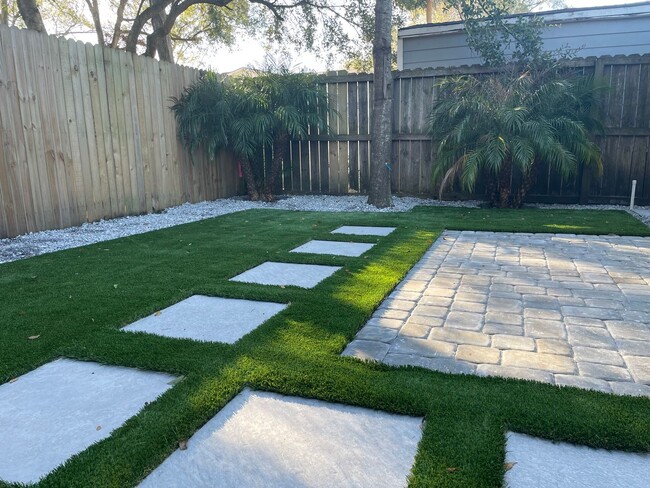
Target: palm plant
<point x="251" y="116"/>
<point x="204" y="116"/>
<point x="275" y="107"/>
<point x="499" y="124"/>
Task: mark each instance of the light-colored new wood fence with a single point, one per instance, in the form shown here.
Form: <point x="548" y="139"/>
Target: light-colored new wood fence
<point x="86" y="133"/>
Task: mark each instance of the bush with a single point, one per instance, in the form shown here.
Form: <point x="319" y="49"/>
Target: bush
<point x="506" y="122"/>
<point x="252" y="116"/>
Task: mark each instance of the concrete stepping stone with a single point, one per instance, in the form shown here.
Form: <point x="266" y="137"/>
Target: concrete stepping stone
<point x="209" y="319"/>
<point x="539" y="463"/>
<point x="336" y="248"/>
<point x="264" y="439"/>
<point x="287" y="274"/>
<point x="362" y="230"/>
<point x="58" y="410"/>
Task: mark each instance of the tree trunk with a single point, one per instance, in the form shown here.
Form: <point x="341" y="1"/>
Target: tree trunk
<point x="94" y="12"/>
<point x="31" y="15"/>
<point x="492" y="191"/>
<point x="382" y="108"/>
<point x="160" y="41"/>
<point x="158" y="7"/>
<point x="279" y="149"/>
<point x="527" y="182"/>
<point x="4" y="12"/>
<point x="249" y="178"/>
<point x="505" y="182"/>
<point x="119" y="18"/>
<point x="140" y="21"/>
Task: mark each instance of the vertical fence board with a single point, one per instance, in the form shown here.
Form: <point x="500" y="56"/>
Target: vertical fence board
<point x="14" y="153"/>
<point x="25" y="127"/>
<point x="94" y="120"/>
<point x="89" y="135"/>
<point x="343" y="148"/>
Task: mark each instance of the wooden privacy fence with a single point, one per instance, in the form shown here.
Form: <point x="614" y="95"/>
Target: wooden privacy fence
<point x="86" y="133"/>
<point x="339" y="163"/>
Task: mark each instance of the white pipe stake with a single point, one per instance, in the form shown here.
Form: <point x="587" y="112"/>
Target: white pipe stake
<point x="633" y="194"/>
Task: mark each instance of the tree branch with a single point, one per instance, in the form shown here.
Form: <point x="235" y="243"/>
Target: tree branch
<point x="94" y="12"/>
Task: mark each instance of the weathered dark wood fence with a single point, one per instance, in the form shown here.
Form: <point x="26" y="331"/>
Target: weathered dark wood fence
<point x="339" y="162"/>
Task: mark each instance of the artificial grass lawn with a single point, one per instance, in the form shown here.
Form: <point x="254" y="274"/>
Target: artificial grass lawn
<point x="76" y="300"/>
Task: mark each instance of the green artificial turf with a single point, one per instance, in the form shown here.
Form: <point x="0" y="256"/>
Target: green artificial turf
<point x="76" y="301"/>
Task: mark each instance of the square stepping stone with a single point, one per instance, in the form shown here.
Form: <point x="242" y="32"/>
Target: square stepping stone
<point x="287" y="274"/>
<point x="56" y="411"/>
<point x="264" y="439"/>
<point x="336" y="248"/>
<point x="209" y="319"/>
<point x="541" y="463"/>
<point x="362" y="230"/>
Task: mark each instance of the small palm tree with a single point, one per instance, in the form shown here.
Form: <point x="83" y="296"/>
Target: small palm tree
<point x="497" y="124"/>
<point x="250" y="116"/>
<point x="204" y="116"/>
<point x="275" y="107"/>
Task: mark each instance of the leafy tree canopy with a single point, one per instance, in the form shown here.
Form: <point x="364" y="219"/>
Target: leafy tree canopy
<point x="185" y="29"/>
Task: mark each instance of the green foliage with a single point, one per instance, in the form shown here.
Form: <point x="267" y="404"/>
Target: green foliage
<point x="204" y="115"/>
<point x="500" y="123"/>
<point x="527" y="112"/>
<point x="277" y="102"/>
<point x="499" y="38"/>
<point x="252" y="115"/>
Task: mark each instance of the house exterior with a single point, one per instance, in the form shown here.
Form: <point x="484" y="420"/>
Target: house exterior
<point x="596" y="31"/>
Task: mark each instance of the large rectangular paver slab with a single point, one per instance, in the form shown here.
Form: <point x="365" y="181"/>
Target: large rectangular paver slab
<point x="362" y="230"/>
<point x="58" y="410"/>
<point x="335" y="248"/>
<point x="264" y="440"/>
<point x="210" y="319"/>
<point x="539" y="463"/>
<point x="287" y="274"/>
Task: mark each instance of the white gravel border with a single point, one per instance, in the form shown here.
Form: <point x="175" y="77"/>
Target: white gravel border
<point x="36" y="243"/>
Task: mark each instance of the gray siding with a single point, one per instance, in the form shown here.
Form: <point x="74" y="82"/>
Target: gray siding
<point x="595" y="37"/>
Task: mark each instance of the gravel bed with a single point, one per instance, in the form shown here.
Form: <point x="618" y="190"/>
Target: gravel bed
<point x="643" y="214"/>
<point x="36" y="243"/>
<point x="43" y="242"/>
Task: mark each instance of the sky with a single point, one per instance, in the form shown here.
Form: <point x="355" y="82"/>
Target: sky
<point x="252" y="52"/>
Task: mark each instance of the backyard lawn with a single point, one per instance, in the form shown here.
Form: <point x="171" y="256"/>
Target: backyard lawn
<point x="72" y="304"/>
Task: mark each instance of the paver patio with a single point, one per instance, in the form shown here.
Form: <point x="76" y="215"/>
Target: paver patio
<point x="264" y="439"/>
<point x="539" y="463"/>
<point x="56" y="411"/>
<point x="210" y="319"/>
<point x="562" y="309"/>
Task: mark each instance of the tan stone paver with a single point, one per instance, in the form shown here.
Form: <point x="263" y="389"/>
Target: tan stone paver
<point x="570" y="310"/>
